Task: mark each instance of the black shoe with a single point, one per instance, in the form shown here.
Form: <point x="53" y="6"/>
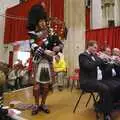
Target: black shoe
<point x="44" y="108"/>
<point x="35" y="110"/>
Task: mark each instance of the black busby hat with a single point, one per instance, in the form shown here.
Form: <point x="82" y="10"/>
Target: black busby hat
<point x="36" y="13"/>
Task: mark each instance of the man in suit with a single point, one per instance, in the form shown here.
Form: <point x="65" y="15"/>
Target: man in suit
<point x="116" y="59"/>
<point x="110" y="76"/>
<point x="91" y="77"/>
<point x="116" y="62"/>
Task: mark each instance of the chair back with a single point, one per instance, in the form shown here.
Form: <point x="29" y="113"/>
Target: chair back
<point x="77" y="70"/>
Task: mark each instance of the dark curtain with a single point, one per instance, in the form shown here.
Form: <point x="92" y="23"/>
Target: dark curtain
<point x="111" y="36"/>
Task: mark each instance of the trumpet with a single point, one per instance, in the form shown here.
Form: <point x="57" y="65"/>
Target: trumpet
<point x="104" y="57"/>
<point x="109" y="59"/>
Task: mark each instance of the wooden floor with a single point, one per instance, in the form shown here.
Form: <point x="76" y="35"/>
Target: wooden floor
<point x="61" y="105"/>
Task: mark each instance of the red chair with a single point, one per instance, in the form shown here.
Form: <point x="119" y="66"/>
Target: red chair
<point x="74" y="77"/>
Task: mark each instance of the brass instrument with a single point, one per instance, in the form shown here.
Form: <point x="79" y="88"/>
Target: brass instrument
<point x="109" y="59"/>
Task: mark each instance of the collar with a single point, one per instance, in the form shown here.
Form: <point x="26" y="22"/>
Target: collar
<point x="88" y="52"/>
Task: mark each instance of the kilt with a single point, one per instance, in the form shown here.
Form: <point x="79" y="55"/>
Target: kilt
<point x="43" y="73"/>
<point x="42" y="78"/>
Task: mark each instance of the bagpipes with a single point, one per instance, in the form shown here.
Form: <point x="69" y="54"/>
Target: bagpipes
<point x="48" y="37"/>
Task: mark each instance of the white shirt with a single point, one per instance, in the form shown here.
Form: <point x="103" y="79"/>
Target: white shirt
<point x="113" y="72"/>
<point x="99" y="71"/>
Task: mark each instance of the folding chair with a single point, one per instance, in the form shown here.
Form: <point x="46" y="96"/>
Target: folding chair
<point x="98" y="112"/>
<point x="74" y="77"/>
<point x="82" y="93"/>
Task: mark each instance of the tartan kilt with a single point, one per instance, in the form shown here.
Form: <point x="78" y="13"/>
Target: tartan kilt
<point x="43" y="79"/>
<point x="43" y="72"/>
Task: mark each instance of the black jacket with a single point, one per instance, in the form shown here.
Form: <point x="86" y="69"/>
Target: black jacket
<point x="88" y="68"/>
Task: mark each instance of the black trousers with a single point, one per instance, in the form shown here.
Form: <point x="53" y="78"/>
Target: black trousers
<point x="114" y="84"/>
<point x="105" y="94"/>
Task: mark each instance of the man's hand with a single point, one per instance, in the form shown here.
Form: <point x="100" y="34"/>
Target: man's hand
<point x="49" y="53"/>
<point x="56" y="49"/>
<point x="39" y="51"/>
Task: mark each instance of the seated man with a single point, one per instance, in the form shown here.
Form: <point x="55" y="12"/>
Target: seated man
<point x="91" y="68"/>
<point x="12" y="78"/>
<point x="3" y="112"/>
<point x="115" y="52"/>
<point x="116" y="59"/>
<point x="59" y="67"/>
<point x="111" y="71"/>
<point x="116" y="63"/>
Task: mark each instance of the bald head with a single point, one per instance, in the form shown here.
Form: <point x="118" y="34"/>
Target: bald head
<point x="116" y="51"/>
<point x="107" y="51"/>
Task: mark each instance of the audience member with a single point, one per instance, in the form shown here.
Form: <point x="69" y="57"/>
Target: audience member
<point x="24" y="77"/>
<point x="12" y="78"/>
<point x="59" y="67"/>
<point x="110" y="73"/>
